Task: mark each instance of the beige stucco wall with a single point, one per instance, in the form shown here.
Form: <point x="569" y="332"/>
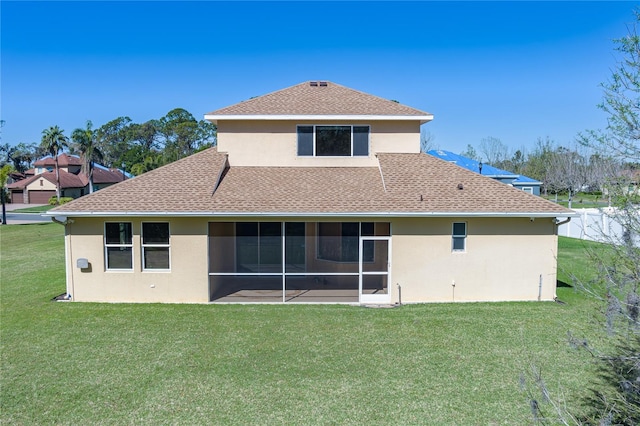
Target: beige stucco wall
<point x="504" y="260"/>
<point x="41" y="185"/>
<point x="186" y="282"/>
<point x="274" y="143"/>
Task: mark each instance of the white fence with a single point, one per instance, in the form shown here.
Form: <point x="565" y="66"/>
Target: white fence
<point x="604" y="225"/>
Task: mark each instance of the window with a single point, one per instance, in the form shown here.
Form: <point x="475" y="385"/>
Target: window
<point x="459" y="236"/>
<point x="155" y="245"/>
<point x="339" y="241"/>
<point x="528" y="189"/>
<point x="118" y="246"/>
<point x="333" y="141"/>
<point x="258" y="247"/>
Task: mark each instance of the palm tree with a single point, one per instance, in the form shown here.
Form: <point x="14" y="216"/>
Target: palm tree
<point x="54" y="141"/>
<point x="85" y="142"/>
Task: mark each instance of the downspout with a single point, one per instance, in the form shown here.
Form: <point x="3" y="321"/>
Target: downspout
<point x="557" y="223"/>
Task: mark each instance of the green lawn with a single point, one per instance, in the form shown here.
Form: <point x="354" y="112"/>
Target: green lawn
<point x="86" y="363"/>
<point x="37" y="209"/>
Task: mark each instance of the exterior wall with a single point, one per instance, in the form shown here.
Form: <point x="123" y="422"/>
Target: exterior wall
<point x="186" y="282"/>
<point x="535" y="188"/>
<point x="503" y="260"/>
<point x="41" y="185"/>
<point x="274" y="143"/>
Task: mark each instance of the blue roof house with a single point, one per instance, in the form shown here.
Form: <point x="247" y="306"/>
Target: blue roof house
<point x="525" y="183"/>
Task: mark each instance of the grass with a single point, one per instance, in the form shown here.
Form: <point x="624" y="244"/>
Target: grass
<point x="580" y="201"/>
<point x="86" y="363"/>
<point x="36" y="209"/>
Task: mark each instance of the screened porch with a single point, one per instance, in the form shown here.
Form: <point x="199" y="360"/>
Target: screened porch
<point x="298" y="262"/>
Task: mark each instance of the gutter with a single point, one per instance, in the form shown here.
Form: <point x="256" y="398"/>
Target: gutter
<point x="307" y="214"/>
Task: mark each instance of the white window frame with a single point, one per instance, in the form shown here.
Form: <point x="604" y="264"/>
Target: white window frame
<point x="528" y="189"/>
<point x="351" y="126"/>
<point x="107" y="246"/>
<point x="455" y="236"/>
<point x="154" y="245"/>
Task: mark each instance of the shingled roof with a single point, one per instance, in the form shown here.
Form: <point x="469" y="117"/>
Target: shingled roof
<point x="404" y="184"/>
<point x="318" y="99"/>
<point x="67" y="180"/>
<point x="64" y="160"/>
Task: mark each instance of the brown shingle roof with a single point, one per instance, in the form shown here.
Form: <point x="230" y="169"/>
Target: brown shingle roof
<point x="188" y="186"/>
<point x="64" y="160"/>
<point x="67" y="180"/>
<point x="107" y="176"/>
<point x="305" y="99"/>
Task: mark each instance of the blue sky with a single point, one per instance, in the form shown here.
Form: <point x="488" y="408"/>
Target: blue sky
<point x="515" y="71"/>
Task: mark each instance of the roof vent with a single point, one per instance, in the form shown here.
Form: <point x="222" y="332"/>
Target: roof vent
<point x="313" y="83"/>
<point x="323" y="84"/>
<point x="460" y="186"/>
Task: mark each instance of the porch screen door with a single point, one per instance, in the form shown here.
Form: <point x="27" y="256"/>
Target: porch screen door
<point x="375" y="269"/>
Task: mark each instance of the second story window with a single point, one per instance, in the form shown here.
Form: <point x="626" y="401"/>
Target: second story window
<point x="333" y="141"/>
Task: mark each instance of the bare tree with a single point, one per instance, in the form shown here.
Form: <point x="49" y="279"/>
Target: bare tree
<point x="567" y="171"/>
<point x="614" y="396"/>
<point x="494" y="150"/>
<point x="427" y="141"/>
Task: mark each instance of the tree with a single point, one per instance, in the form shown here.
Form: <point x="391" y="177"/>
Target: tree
<point x="84" y="141"/>
<point x="615" y="392"/>
<point x="471" y="152"/>
<point x="23" y="155"/>
<point x="113" y="141"/>
<point x="426" y="141"/>
<point x="180" y="132"/>
<point x="567" y="171"/>
<point x="494" y="150"/>
<point x="4" y="175"/>
<point x="54" y="141"/>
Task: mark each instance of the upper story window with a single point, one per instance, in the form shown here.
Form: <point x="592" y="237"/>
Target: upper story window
<point x="333" y="141"/>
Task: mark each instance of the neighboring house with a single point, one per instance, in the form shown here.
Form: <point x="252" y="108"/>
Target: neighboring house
<point x="38" y="189"/>
<point x="522" y="182"/>
<point x="39" y="183"/>
<point x="315" y="193"/>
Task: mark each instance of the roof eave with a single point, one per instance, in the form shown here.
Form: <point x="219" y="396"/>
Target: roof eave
<point x="273" y="117"/>
<point x="312" y="214"/>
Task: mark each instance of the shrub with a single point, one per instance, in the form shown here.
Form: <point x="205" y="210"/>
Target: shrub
<point x="53" y="201"/>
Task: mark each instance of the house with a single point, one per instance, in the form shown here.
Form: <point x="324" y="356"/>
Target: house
<point x="39" y="183"/>
<point x="522" y="182"/>
<point x="315" y="193"/>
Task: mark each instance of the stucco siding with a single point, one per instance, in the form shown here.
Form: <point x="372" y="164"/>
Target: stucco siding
<point x="41" y="184"/>
<point x="274" y="143"/>
<point x="187" y="280"/>
<point x="504" y="260"/>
